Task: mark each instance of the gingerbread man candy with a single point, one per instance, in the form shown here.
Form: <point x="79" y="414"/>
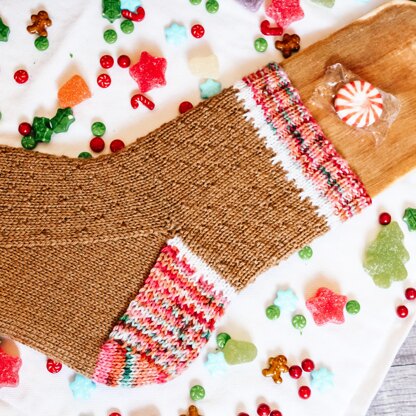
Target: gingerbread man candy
<point x="39" y="24"/>
<point x="277" y="366"/>
<point x="288" y="45"/>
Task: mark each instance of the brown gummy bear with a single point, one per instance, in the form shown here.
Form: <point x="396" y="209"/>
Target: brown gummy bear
<point x="288" y="45"/>
<point x="39" y="24"/>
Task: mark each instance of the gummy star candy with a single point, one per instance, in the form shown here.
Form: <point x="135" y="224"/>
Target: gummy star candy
<point x="73" y="92"/>
<point x="286" y="300"/>
<point x="63" y="119"/>
<point x="130" y="5"/>
<point x="176" y="34"/>
<point x="322" y="379"/>
<point x="252" y="5"/>
<point x="209" y="88"/>
<point x="149" y="72"/>
<point x="82" y="387"/>
<point x="284" y="12"/>
<point x="9" y="370"/>
<point x="41" y="129"/>
<point x="325" y="3"/>
<point x="4" y="31"/>
<point x="327" y="306"/>
<point x="239" y="352"/>
<point x="409" y="218"/>
<point x="111" y="10"/>
<point x="385" y="257"/>
<point x="216" y="363"/>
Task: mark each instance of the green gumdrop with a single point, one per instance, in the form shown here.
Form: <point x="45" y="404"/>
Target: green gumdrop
<point x="239" y="352"/>
<point x="222" y="339"/>
<point x="385" y="257"/>
<point x="111" y="9"/>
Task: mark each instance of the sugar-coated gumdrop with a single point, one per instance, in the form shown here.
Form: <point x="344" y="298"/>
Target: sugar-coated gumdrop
<point x="284" y="12"/>
<point x="63" y="119"/>
<point x="385" y="257"/>
<point x="205" y="66"/>
<point x="82" y="387"/>
<point x="9" y="370"/>
<point x="111" y="10"/>
<point x="209" y="88"/>
<point x="327" y="306"/>
<point x="149" y="72"/>
<point x="73" y="92"/>
<point x="325" y="3"/>
<point x="239" y="352"/>
<point x="252" y="5"/>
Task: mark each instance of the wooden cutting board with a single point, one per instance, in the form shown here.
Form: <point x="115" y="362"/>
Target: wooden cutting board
<point x="379" y="48"/>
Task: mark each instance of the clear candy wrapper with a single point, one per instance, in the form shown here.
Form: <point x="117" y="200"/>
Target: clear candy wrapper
<point x="365" y="108"/>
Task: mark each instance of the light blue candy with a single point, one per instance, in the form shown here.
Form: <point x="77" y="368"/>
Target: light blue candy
<point x="322" y="379"/>
<point x="216" y="363"/>
<point x="286" y="300"/>
<point x="176" y="34"/>
<point x="82" y="387"/>
<point x="209" y="88"/>
<point x="131" y="5"/>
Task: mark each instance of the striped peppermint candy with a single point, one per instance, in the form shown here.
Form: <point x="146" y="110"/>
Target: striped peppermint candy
<point x="358" y="104"/>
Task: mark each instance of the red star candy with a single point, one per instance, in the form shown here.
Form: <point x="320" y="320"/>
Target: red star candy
<point x="326" y="306"/>
<point x="149" y="72"/>
<point x="9" y="370"/>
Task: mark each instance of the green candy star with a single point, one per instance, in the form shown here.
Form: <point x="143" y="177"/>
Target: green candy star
<point x="4" y="32"/>
<point x="63" y="119"/>
<point x="409" y="218"/>
<point x="111" y="10"/>
<point x="42" y="131"/>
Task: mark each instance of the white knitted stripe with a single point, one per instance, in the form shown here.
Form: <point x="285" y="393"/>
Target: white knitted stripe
<point x="282" y="155"/>
<point x="202" y="269"/>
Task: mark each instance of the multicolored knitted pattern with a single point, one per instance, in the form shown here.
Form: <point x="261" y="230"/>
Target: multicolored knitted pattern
<point x="167" y="324"/>
<point x="310" y="159"/>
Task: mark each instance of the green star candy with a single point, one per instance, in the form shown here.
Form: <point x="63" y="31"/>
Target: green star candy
<point x="63" y="119"/>
<point x="42" y="131"/>
<point x="409" y="218"/>
<point x="112" y="9"/>
<point x="4" y="32"/>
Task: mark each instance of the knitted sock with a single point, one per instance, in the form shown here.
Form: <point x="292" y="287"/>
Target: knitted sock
<point x="120" y="266"/>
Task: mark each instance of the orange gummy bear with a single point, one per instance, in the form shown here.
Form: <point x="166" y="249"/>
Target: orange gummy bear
<point x="73" y="92"/>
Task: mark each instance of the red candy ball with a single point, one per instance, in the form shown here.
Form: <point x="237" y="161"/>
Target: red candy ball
<point x="53" y="366"/>
<point x="123" y="61"/>
<point x="116" y="145"/>
<point x="295" y="371"/>
<point x="304" y="392"/>
<point x="263" y="410"/>
<point x="104" y="80"/>
<point x="21" y="76"/>
<point x="25" y="129"/>
<point x="384" y="218"/>
<point x="308" y="365"/>
<point x="243" y="414"/>
<point x="197" y="31"/>
<point x="402" y="311"/>
<point x="276" y="413"/>
<point x="106" y="61"/>
<point x="115" y="414"/>
<point x="97" y="144"/>
<point x="185" y="106"/>
<point x="410" y="293"/>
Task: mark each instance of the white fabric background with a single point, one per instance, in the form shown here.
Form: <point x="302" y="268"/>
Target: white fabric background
<point x="358" y="352"/>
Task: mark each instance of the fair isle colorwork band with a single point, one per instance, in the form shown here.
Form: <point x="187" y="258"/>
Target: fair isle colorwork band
<point x="309" y="158"/>
<point x="167" y="323"/>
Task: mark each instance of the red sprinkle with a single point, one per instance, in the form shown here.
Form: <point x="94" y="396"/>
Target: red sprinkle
<point x="402" y="311"/>
<point x="197" y="31"/>
<point x="106" y="61"/>
<point x="136" y="17"/>
<point x="117" y="145"/>
<point x="123" y="61"/>
<point x="185" y="106"/>
<point x="104" y="80"/>
<point x="97" y="144"/>
<point x="263" y="410"/>
<point x="410" y="293"/>
<point x="384" y="218"/>
<point x="21" y="76"/>
<point x="295" y="371"/>
<point x="53" y="366"/>
<point x="25" y="129"/>
<point x="304" y="392"/>
<point x="308" y="365"/>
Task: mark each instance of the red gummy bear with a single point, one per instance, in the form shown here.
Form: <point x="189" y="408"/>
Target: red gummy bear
<point x="9" y="370"/>
<point x="149" y="72"/>
<point x="326" y="306"/>
<point x="284" y="12"/>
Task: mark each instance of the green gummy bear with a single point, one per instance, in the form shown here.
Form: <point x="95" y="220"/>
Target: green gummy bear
<point x="112" y="9"/>
<point x="42" y="130"/>
<point x="239" y="352"/>
<point x="63" y="119"/>
<point x="385" y="257"/>
<point x="409" y="218"/>
<point x="4" y="32"/>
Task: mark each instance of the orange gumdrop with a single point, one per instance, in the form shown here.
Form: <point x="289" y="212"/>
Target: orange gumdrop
<point x="73" y="92"/>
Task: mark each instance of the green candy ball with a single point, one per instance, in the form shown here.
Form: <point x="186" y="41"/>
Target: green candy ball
<point x="212" y="6"/>
<point x="195" y="2"/>
<point x="305" y="253"/>
<point x="272" y="312"/>
<point x="353" y="307"/>
<point x="28" y="142"/>
<point x="85" y="155"/>
<point x="197" y="392"/>
<point x="42" y="43"/>
<point x="110" y="36"/>
<point x="260" y="45"/>
<point x="299" y="322"/>
<point x="127" y="26"/>
<point x="222" y="339"/>
<point x="98" y="129"/>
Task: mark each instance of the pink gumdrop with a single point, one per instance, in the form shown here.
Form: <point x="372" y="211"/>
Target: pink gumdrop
<point x="9" y="370"/>
<point x="284" y="12"/>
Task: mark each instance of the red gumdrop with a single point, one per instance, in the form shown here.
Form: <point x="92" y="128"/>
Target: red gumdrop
<point x="97" y="144"/>
<point x="117" y="145"/>
<point x="106" y="61"/>
<point x="9" y="370"/>
<point x="25" y="129"/>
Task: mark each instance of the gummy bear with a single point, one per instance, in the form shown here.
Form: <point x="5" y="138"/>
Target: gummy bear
<point x="149" y="72"/>
<point x="252" y="5"/>
<point x="9" y="370"/>
<point x="284" y="12"/>
<point x="385" y="257"/>
<point x="327" y="306"/>
<point x="73" y="92"/>
<point x="239" y="352"/>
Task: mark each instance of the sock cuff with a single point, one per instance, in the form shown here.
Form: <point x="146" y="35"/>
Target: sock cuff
<point x="273" y="105"/>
